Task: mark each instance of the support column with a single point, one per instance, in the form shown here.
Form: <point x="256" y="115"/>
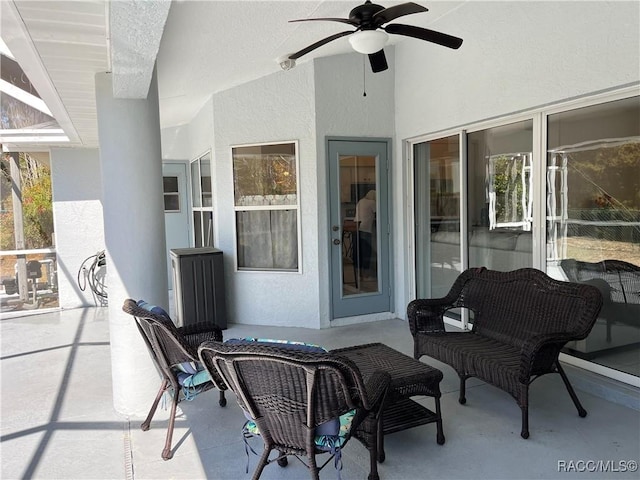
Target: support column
<point x="132" y="201"/>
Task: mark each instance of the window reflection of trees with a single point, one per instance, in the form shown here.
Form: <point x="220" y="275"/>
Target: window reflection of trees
<point x="257" y="174"/>
<point x="510" y="185"/>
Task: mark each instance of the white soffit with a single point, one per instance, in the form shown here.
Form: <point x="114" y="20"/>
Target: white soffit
<point x="19" y="38"/>
<point x="135" y="31"/>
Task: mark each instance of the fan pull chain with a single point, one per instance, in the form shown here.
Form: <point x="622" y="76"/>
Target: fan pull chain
<point x="364" y="77"/>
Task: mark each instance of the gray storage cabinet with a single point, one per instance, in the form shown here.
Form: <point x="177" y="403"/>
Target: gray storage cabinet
<point x="198" y="285"/>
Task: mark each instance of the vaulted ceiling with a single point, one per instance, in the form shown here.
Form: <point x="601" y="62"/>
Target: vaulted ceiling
<point x="201" y="47"/>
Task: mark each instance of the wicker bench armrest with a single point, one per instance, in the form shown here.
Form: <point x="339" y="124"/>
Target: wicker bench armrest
<point x="535" y="343"/>
<point x="427" y="315"/>
<point x="541" y="351"/>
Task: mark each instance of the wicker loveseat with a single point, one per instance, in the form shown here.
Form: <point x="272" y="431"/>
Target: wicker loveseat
<point x="521" y="320"/>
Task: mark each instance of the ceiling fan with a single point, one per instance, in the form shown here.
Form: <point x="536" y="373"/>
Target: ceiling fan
<point x="369" y="37"/>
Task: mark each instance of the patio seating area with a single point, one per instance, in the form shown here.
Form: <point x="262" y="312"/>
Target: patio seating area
<point x="58" y="419"/>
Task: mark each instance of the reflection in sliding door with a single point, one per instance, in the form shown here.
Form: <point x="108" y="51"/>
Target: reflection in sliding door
<point x="500" y="197"/>
<point x="593" y="221"/>
<point x="437" y="215"/>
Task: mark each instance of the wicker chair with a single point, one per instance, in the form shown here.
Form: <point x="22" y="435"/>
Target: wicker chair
<point x="521" y="321"/>
<point x="170" y="348"/>
<point x="288" y="393"/>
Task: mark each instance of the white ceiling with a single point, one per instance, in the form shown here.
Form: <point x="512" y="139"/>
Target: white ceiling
<point x="202" y="47"/>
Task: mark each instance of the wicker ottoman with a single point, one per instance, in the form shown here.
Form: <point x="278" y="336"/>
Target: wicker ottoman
<point x="409" y="377"/>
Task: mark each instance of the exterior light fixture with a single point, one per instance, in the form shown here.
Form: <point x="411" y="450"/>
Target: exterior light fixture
<point x="368" y="41"/>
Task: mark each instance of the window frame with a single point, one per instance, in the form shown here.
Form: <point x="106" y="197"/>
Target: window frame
<point x="176" y="194"/>
<point x="244" y="208"/>
<point x="200" y="206"/>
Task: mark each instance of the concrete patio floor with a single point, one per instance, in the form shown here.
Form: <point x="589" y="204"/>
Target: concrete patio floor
<point x="58" y="420"/>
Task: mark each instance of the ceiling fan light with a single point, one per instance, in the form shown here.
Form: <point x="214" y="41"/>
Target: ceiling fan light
<point x="368" y="41"/>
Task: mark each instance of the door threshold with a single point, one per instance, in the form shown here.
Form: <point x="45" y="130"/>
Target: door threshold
<point x="371" y="317"/>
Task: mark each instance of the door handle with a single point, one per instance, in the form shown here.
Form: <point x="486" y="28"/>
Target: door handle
<point x="336" y="241"/>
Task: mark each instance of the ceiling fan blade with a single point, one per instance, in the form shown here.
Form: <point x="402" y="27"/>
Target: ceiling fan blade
<point x="341" y="20"/>
<point x="378" y="61"/>
<point x="391" y="13"/>
<point x="424" y="34"/>
<point x="319" y="43"/>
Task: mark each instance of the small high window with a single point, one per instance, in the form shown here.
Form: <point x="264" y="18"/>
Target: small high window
<point x="171" y="194"/>
<point x="202" y="201"/>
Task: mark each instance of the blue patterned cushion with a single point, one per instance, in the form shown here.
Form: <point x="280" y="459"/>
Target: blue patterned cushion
<point x="288" y="344"/>
<point x="190" y="374"/>
<point x="329" y="435"/>
<point x="153" y="309"/>
<point x="193" y="380"/>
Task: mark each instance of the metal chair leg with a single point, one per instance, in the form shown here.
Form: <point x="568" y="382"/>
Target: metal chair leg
<point x="462" y="399"/>
<point x="525" y="422"/>
<point x="154" y="406"/>
<point x="524" y="406"/>
<point x="167" y="453"/>
<point x="379" y="439"/>
<point x="581" y="411"/>
<point x="376" y="452"/>
<point x="440" y="435"/>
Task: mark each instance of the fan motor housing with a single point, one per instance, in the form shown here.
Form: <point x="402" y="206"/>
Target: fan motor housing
<point x="363" y="14"/>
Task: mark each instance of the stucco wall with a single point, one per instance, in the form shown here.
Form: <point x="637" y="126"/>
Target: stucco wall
<point x="515" y="56"/>
<point x="278" y="107"/>
<point x="201" y="132"/>
<point x="191" y="140"/>
<point x="175" y="142"/>
<point x="77" y="210"/>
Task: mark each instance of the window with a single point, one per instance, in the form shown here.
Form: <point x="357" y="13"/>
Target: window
<point x="265" y="179"/>
<point x="202" y="201"/>
<point x="28" y="265"/>
<point x="171" y="194"/>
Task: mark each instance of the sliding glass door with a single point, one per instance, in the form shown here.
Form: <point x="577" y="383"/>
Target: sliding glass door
<point x="481" y="216"/>
<point x="486" y="196"/>
<point x="593" y="221"/>
<point x="437" y="215"/>
<point x="500" y="196"/>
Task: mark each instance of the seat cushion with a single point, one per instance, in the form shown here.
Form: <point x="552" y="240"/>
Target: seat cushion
<point x="191" y="381"/>
<point x="190" y="374"/>
<point x="329" y="435"/>
<point x="288" y="344"/>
